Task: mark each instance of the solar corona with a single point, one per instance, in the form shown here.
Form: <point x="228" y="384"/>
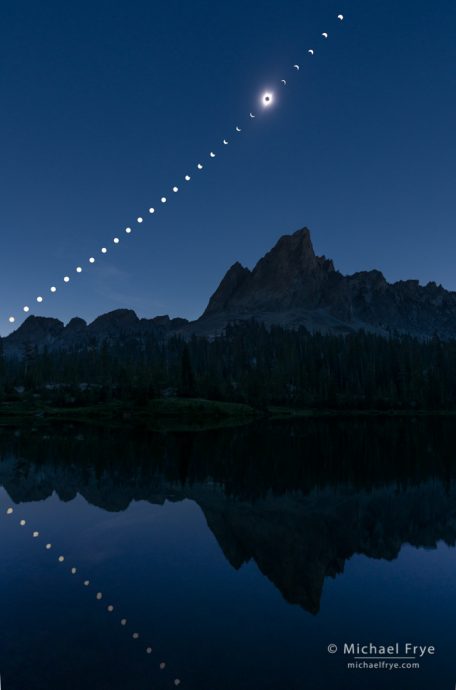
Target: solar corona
<point x="267" y="100"/>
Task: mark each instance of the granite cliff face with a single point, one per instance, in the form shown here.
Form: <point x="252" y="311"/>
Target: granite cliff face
<point x="290" y="286"/>
<point x="287" y="277"/>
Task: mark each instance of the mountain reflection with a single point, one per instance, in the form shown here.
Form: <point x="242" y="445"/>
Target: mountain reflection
<point x="298" y="498"/>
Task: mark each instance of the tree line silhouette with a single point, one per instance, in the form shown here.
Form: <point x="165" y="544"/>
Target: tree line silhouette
<point x="249" y="363"/>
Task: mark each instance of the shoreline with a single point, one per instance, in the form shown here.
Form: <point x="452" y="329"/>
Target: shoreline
<point x="183" y="413"/>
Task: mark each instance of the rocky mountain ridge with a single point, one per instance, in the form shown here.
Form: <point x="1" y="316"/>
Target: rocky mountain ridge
<point x="45" y="332"/>
<point x="290" y="286"/>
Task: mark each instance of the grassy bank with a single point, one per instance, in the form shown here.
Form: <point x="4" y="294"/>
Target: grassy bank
<point x="170" y="412"/>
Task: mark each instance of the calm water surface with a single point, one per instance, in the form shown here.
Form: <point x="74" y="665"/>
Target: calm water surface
<point x="238" y="555"/>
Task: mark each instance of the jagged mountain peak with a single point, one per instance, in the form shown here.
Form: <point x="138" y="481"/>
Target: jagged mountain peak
<point x="287" y="275"/>
<point x="291" y="260"/>
<point x="290" y="286"/>
<point x="115" y="322"/>
<point x="36" y="328"/>
<point x="231" y="282"/>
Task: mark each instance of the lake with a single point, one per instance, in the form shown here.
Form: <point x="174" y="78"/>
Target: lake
<point x="236" y="555"/>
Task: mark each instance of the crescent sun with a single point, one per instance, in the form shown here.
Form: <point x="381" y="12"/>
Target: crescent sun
<point x="284" y="82"/>
<point x="311" y="51"/>
<point x="238" y="129"/>
<point x="324" y="34"/>
<point x="252" y="115"/>
<point x="296" y="67"/>
<point x="225" y="142"/>
<point x="340" y="16"/>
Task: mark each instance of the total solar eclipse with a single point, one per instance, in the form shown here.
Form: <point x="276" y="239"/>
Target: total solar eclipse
<point x="266" y="100"/>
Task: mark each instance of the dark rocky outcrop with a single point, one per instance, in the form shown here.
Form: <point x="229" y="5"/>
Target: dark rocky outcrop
<point x="291" y="286"/>
<point x="40" y="332"/>
<point x="287" y="277"/>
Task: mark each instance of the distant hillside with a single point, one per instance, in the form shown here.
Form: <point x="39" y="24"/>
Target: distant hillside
<point x="114" y="327"/>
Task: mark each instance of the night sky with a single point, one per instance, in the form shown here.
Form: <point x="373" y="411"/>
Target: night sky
<point x="104" y="106"/>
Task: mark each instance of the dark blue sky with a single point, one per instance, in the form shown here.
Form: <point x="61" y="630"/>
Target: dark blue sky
<point x="104" y="106"/>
